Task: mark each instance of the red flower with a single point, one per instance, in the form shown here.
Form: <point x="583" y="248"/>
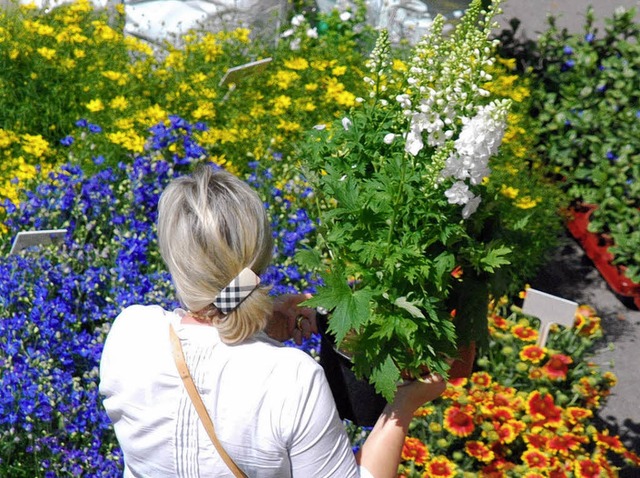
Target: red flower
<point x="587" y="469"/>
<point x="414" y="449"/>
<point x="458" y="422"/>
<point x="543" y="409"/>
<point x="535" y="459"/>
<point x="499" y="322"/>
<point x="506" y="432"/>
<point x="536" y="441"/>
<point x="479" y="451"/>
<point x="578" y="414"/>
<point x="525" y="333"/>
<point x="457" y="272"/>
<point x="565" y="443"/>
<point x="532" y="353"/>
<point x="481" y="379"/>
<point x="610" y="442"/>
<point x="440" y="467"/>
<point x="557" y="366"/>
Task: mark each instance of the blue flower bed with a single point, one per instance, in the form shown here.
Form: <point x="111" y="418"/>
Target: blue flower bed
<point x="56" y="303"/>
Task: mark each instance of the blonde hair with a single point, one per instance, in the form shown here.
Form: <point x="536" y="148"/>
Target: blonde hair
<point x="211" y="225"/>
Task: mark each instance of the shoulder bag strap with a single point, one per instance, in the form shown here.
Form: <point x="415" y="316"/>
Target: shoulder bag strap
<point x="178" y="355"/>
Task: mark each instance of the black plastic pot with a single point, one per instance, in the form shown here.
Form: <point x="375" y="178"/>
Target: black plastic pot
<point x="355" y="399"/>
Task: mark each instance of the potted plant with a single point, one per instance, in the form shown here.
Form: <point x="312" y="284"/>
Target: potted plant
<point x="405" y="246"/>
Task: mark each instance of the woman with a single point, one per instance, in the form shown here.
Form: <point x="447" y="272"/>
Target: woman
<point x="271" y="405"/>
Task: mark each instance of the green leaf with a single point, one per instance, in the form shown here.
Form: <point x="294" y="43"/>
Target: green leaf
<point x="349" y="308"/>
<point x="409" y="306"/>
<point x="309" y="258"/>
<point x="495" y="258"/>
<point x="385" y="378"/>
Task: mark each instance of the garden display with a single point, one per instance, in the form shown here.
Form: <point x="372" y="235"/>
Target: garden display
<point x="340" y="136"/>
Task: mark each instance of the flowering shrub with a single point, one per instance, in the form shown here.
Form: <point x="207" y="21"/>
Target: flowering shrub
<point x="587" y="94"/>
<point x="57" y="303"/>
<point x="399" y="183"/>
<point x="527" y="411"/>
<point x="77" y="61"/>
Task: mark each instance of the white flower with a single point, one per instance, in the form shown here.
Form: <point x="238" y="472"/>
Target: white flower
<point x="297" y="20"/>
<point x="312" y="33"/>
<point x="414" y="143"/>
<point x="388" y="138"/>
<point x="295" y="44"/>
<point x="344" y="16"/>
<point x="458" y="193"/>
<point x="471" y="207"/>
<point x="287" y="33"/>
<point x="320" y="127"/>
<point x="346" y="123"/>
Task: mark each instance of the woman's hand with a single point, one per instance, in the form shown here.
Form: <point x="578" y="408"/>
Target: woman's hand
<point x="289" y="320"/>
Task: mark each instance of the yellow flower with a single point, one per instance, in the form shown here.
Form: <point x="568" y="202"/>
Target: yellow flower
<point x="281" y="104"/>
<point x="151" y="115"/>
<point x="35" y="145"/>
<point x="204" y="111"/>
<point x="134" y="44"/>
<point x="118" y="103"/>
<point x="339" y="70"/>
<point x="296" y="64"/>
<point x="13" y="54"/>
<point x="116" y="76"/>
<point x="128" y="140"/>
<point x="68" y="63"/>
<point x="103" y="31"/>
<point x="7" y="138"/>
<point x="95" y="105"/>
<point x="526" y="202"/>
<point x="284" y="78"/>
<point x="79" y="53"/>
<point x="288" y="126"/>
<point x="509" y="191"/>
<point x="311" y="86"/>
<point x="124" y="123"/>
<point x="399" y="65"/>
<point x="47" y="53"/>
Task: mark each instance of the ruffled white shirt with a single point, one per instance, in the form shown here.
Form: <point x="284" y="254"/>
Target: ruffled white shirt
<point x="271" y="405"/>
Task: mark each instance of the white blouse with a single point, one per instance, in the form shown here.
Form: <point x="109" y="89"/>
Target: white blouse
<point x="271" y="405"/>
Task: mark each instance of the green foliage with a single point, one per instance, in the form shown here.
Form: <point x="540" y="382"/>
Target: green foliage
<point x="586" y="96"/>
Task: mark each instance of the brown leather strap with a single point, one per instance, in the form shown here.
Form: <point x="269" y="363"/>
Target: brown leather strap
<point x="178" y="355"/>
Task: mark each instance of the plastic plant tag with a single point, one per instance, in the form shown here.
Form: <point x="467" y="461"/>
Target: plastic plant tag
<point x="236" y="73"/>
<point x="550" y="310"/>
<point x="26" y="239"/>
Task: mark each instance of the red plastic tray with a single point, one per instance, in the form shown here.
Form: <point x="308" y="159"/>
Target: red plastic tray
<point x="596" y="247"/>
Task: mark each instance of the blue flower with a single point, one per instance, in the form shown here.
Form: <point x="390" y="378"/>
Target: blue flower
<point x="589" y="37"/>
<point x="82" y="123"/>
<point x="67" y="140"/>
<point x="611" y="156"/>
<point x="98" y="160"/>
<point x="94" y="128"/>
<point x="567" y="50"/>
<point x="567" y="65"/>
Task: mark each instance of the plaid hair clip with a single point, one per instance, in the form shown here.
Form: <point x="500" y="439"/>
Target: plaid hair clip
<point x="238" y="290"/>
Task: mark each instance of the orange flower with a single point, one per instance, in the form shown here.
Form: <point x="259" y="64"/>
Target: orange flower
<point x="578" y="414"/>
<point x="536" y="374"/>
<point x="532" y="353"/>
<point x="458" y="422"/>
<point x="535" y="459"/>
<point x="481" y="379"/>
<point x="565" y="443"/>
<point x="536" y="441"/>
<point x="506" y="432"/>
<point x="457" y="272"/>
<point x="440" y="466"/>
<point x="424" y="411"/>
<point x="502" y="414"/>
<point x="525" y="333"/>
<point x="458" y="382"/>
<point x="543" y="409"/>
<point x="609" y="442"/>
<point x="533" y="474"/>
<point x="413" y="449"/>
<point x="479" y="451"/>
<point x="557" y="366"/>
<point x="587" y="469"/>
<point x="498" y="321"/>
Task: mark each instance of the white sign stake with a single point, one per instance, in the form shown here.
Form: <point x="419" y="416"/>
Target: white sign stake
<point x="26" y="239"/>
<point x="550" y="310"/>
